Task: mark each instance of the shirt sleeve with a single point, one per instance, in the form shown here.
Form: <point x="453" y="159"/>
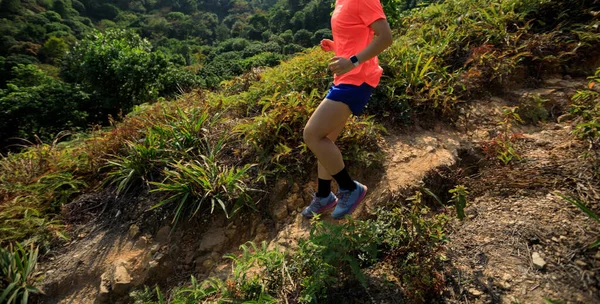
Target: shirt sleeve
<point x="370" y="11"/>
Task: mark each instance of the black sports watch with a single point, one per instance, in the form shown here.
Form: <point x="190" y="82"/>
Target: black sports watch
<point x="354" y="60"/>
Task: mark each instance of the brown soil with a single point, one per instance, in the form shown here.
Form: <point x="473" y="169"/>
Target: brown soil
<point x="512" y="213"/>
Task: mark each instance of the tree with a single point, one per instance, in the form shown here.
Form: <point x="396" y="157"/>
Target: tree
<point x="320" y="35"/>
<point x="303" y="38"/>
<point x="54" y="49"/>
<point x="222" y="32"/>
<point x="37" y="104"/>
<point x="10" y="6"/>
<point x="118" y="68"/>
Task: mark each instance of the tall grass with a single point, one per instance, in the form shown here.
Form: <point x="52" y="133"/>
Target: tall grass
<point x="17" y="277"/>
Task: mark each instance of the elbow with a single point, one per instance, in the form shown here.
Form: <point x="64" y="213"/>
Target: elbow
<point x="389" y="40"/>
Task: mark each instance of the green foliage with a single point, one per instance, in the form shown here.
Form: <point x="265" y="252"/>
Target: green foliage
<point x="17" y="279"/>
<point x="54" y="49"/>
<point x="332" y="254"/>
<point x="586" y="104"/>
<point x="531" y="109"/>
<point x="34" y="184"/>
<point x="190" y="184"/>
<point x="118" y="68"/>
<point x="501" y="145"/>
<point x="36" y="104"/>
<point x="459" y="198"/>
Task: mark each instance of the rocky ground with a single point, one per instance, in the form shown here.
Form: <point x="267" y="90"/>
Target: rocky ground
<point x="520" y="243"/>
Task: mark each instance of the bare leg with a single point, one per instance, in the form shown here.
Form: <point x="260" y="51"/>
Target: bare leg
<point x="329" y="117"/>
<point x="323" y="174"/>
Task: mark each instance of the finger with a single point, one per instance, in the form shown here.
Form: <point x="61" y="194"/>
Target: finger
<point x="335" y="58"/>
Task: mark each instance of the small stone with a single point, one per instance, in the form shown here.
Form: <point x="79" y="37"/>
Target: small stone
<point x="141" y="243"/>
<point x="538" y="262"/>
<point x="580" y="263"/>
<point x="208" y="264"/>
<point x="507" y="277"/>
<point x="554" y="239"/>
<point x="553" y="81"/>
<point x="134" y="230"/>
<point x="475" y="292"/>
<point x="213" y="240"/>
<point x="163" y="235"/>
<point x="597" y="256"/>
<point x="504" y="285"/>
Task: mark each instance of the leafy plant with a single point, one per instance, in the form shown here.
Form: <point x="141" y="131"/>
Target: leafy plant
<point x="17" y="280"/>
<point x="459" y="198"/>
<point x="502" y="144"/>
<point x="189" y="185"/>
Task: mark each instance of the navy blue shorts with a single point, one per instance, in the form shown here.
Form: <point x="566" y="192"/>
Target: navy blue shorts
<point x="356" y="97"/>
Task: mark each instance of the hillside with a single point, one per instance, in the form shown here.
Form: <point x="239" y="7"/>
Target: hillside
<point x="479" y="149"/>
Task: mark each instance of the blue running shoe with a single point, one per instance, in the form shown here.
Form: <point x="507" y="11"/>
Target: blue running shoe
<point x="319" y="205"/>
<point x="349" y="200"/>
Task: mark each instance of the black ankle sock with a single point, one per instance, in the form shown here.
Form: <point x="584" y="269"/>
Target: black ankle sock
<point x="344" y="181"/>
<point x="324" y="187"/>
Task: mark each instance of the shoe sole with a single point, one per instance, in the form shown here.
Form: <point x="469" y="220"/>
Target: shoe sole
<point x="323" y="209"/>
<point x="360" y="199"/>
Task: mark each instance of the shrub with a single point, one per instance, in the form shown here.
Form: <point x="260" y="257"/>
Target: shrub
<point x="17" y="279"/>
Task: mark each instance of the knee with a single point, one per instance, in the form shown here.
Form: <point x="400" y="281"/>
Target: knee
<point x="310" y="136"/>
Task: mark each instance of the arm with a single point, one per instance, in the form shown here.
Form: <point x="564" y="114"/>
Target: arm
<point x="382" y="40"/>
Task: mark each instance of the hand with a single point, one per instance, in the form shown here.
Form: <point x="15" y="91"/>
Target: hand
<point x="327" y="45"/>
<point x="340" y="65"/>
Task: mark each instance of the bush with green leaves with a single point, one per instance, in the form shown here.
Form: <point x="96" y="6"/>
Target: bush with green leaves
<point x="332" y="255"/>
<point x="17" y="278"/>
<point x="119" y="70"/>
<point x="36" y="104"/>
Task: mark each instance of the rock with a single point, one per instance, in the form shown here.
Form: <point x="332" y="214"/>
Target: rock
<point x="554" y="239"/>
<point x="204" y="264"/>
<point x="121" y="280"/>
<point x="279" y="211"/>
<point x="475" y="292"/>
<point x="104" y="294"/>
<point x="163" y="235"/>
<point x="565" y="117"/>
<point x="134" y="230"/>
<point x="537" y="260"/>
<point x="597" y="256"/>
<point x="189" y="258"/>
<point x="504" y="285"/>
<point x="553" y="81"/>
<point x="208" y="264"/>
<point x="141" y="243"/>
<point x="213" y="240"/>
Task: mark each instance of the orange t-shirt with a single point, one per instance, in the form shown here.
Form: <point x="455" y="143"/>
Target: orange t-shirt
<point x="351" y="34"/>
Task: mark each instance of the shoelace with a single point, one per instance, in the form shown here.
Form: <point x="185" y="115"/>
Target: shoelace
<point x="316" y="203"/>
<point x="343" y="197"/>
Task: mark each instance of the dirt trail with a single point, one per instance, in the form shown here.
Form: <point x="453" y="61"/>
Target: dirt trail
<point x="522" y="243"/>
<point x="510" y="217"/>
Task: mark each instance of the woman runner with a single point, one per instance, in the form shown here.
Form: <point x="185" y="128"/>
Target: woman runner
<point x="360" y="33"/>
